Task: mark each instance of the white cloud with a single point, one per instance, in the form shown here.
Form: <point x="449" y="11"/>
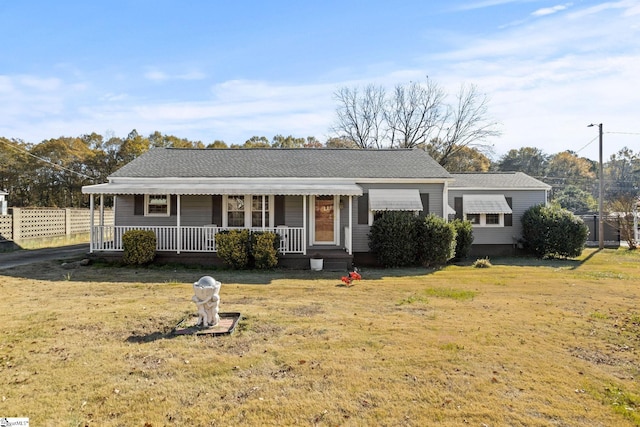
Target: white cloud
<point x="161" y="76"/>
<point x="551" y="10"/>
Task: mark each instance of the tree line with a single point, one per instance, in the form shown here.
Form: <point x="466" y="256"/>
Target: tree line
<point x="52" y="173"/>
<point x="416" y="115"/>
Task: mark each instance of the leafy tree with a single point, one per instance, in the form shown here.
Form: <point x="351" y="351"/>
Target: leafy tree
<point x="133" y="146"/>
<point x="218" y="144"/>
<point x="60" y="169"/>
<point x="575" y="200"/>
<point x="529" y="160"/>
<point x="312" y="142"/>
<point x="280" y="141"/>
<point x="572" y="169"/>
<point x="622" y="174"/>
<point x="468" y="159"/>
<point x="254" y="142"/>
<point x="15" y="173"/>
<point x="338" y="142"/>
<point x="157" y="139"/>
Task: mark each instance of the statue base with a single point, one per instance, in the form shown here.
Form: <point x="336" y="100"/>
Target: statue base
<point x="189" y="325"/>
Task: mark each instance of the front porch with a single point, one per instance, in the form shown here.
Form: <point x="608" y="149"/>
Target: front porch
<point x="196" y="246"/>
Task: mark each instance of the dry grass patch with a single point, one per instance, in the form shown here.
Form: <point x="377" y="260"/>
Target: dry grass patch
<point x="525" y="342"/>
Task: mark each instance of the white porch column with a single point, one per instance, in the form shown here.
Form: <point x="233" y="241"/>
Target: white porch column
<point x="102" y="210"/>
<point x="304" y="225"/>
<point x="178" y="231"/>
<point x="350" y="225"/>
<point x="91" y="223"/>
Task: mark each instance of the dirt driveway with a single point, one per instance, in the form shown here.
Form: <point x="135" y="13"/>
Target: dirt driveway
<point x="25" y="256"/>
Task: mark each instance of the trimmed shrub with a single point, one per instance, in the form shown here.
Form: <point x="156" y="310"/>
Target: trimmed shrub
<point x="464" y="238"/>
<point x="553" y="232"/>
<point x="392" y="239"/>
<point x="233" y="248"/>
<point x="139" y="247"/>
<point x="482" y="263"/>
<point x="263" y="249"/>
<point x="435" y="240"/>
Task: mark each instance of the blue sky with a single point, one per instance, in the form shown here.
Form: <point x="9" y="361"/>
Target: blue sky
<point x="207" y="70"/>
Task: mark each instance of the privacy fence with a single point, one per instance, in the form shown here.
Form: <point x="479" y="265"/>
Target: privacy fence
<point x="23" y="223"/>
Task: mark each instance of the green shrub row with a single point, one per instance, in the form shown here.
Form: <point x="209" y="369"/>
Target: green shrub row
<point x="401" y="239"/>
<point x="241" y="249"/>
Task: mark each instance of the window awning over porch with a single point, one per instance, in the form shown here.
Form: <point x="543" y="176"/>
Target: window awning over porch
<point x="232" y="188"/>
<point x="395" y="200"/>
<point x="485" y="204"/>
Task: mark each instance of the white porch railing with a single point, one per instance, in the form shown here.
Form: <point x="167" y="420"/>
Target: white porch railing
<point x="188" y="239"/>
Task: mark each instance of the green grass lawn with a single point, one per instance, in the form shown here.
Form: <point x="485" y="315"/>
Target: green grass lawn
<point x="524" y="342"/>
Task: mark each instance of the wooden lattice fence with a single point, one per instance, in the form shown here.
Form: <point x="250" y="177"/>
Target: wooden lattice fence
<point x="38" y="223"/>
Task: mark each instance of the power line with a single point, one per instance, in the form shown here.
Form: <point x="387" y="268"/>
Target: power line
<point x="588" y="144"/>
<point x="46" y="161"/>
<point x="626" y="133"/>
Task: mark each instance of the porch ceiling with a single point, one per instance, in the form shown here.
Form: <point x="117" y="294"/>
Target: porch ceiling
<point x="260" y="188"/>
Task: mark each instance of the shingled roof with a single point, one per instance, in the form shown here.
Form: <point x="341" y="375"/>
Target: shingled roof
<point x="496" y="180"/>
<point x="282" y="163"/>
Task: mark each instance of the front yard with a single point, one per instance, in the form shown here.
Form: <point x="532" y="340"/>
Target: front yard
<point x="525" y="342"/>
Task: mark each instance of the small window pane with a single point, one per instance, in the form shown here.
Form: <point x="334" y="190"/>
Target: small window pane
<point x="236" y="219"/>
<point x="157" y="205"/>
<point x="493" y="219"/>
<point x="473" y="218"/>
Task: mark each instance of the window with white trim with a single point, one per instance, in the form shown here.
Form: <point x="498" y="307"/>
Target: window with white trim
<point x="260" y="211"/>
<point x="156" y="205"/>
<point x="235" y="211"/>
<point x="248" y="211"/>
<point x="486" y="220"/>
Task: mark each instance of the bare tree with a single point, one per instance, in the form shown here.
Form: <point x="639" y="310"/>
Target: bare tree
<point x="360" y="116"/>
<point x="413" y="113"/>
<point x="466" y="124"/>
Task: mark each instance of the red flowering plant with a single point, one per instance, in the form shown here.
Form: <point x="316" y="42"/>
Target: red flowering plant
<point x="353" y="275"/>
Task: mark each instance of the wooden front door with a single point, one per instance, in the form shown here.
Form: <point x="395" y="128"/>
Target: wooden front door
<point x="324" y="224"/>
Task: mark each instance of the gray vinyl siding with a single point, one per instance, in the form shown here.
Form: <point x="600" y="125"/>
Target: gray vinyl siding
<point x="293" y="216"/>
<point x="521" y="201"/>
<point x="195" y="211"/>
<point x="361" y="231"/>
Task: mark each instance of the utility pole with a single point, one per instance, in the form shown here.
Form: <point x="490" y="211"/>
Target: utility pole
<point x="600" y="192"/>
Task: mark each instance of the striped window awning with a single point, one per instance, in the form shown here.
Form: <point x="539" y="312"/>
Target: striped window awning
<point x="485" y="204"/>
<point x="395" y="200"/>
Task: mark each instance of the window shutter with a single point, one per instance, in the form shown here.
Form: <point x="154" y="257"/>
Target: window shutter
<point x="138" y="204"/>
<point x="363" y="209"/>
<point x="508" y="218"/>
<point x="424" y="197"/>
<point x="278" y="214"/>
<point x="457" y="205"/>
<point x="173" y="205"/>
<point x="216" y="210"/>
